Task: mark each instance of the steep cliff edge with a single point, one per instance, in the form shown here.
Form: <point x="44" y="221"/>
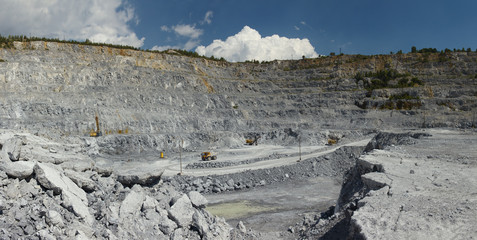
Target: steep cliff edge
<point x="424" y="190"/>
<point x="406" y="185"/>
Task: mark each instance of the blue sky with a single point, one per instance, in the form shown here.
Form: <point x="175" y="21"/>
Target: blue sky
<point x="301" y="27"/>
<point x="364" y="26"/>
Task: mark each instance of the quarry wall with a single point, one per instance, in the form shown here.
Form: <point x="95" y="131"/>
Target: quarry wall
<point x="153" y="99"/>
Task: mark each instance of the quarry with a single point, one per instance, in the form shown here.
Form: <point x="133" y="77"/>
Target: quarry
<point x="98" y="142"/>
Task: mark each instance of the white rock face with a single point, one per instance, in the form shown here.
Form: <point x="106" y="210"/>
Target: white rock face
<point x="81" y="179"/>
<point x="181" y="212"/>
<point x="54" y="218"/>
<point x="149" y="203"/>
<point x="139" y="175"/>
<point x="12" y="148"/>
<point x="131" y="206"/>
<point x="73" y="196"/>
<point x="19" y="169"/>
<point x="197" y="199"/>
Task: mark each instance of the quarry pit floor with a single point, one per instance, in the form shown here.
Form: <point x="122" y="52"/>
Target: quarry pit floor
<point x="439" y="168"/>
<point x="271" y="208"/>
<point x="275" y="207"/>
<point x="272" y="155"/>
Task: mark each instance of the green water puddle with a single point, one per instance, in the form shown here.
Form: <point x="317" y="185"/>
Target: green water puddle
<point x="238" y="209"/>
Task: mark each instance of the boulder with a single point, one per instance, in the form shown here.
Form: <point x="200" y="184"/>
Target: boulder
<point x="197" y="199"/>
<point x="131" y="206"/>
<point x="78" y="164"/>
<point x="52" y="177"/>
<point x="74" y="198"/>
<point x="166" y="225"/>
<point x="53" y="218"/>
<point x="130" y="177"/>
<point x="82" y="179"/>
<point x="44" y="234"/>
<point x="218" y="229"/>
<point x="197" y="182"/>
<point x="3" y="206"/>
<point x="12" y="148"/>
<point x="200" y="222"/>
<point x="149" y="203"/>
<point x="79" y="207"/>
<point x="181" y="212"/>
<point x="241" y="227"/>
<point x="30" y="188"/>
<point x="19" y="169"/>
<point x="231" y="182"/>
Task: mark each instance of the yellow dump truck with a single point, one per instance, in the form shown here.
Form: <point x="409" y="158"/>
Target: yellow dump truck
<point x="207" y="156"/>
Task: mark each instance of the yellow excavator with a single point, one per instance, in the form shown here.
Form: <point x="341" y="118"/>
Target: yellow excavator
<point x="98" y="132"/>
<point x="207" y="156"/>
<point x="252" y="141"/>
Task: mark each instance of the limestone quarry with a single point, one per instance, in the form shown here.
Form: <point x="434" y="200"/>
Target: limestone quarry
<point x="348" y="147"/>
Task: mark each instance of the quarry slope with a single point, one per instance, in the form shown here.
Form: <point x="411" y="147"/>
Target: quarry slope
<point x="147" y="101"/>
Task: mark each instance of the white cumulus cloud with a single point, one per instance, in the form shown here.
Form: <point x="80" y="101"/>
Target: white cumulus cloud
<point x="248" y="44"/>
<point x="189" y="31"/>
<point x="184" y="30"/>
<point x="97" y="20"/>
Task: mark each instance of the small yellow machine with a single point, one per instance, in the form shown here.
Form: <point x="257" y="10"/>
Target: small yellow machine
<point x="207" y="156"/>
<point x="96" y="133"/>
<point x="253" y="141"/>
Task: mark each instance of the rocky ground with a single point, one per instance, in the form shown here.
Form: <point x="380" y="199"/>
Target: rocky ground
<point x="425" y="190"/>
<point x="54" y="191"/>
<point x="421" y="189"/>
<point x="400" y="186"/>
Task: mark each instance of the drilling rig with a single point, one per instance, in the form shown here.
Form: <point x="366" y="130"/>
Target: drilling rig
<point x="96" y="133"/>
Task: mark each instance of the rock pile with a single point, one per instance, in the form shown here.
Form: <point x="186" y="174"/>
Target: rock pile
<point x="44" y="197"/>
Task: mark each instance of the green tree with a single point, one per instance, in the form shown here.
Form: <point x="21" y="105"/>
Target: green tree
<point x="413" y="49"/>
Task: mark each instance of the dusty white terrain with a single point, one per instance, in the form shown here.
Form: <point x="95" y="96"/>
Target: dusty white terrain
<point x="426" y="190"/>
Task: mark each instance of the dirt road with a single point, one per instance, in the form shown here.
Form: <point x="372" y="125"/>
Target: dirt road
<point x="172" y="166"/>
